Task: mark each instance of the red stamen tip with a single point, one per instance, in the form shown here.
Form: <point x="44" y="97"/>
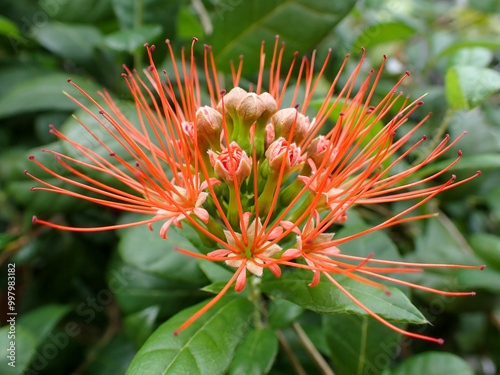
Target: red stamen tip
<point x="32" y="188"/>
<point x="112" y="154"/>
<point x="277" y="36"/>
<point x="387" y="292"/>
<point x="223" y="92"/>
<point x="482" y="267"/>
<point x="31" y="157"/>
<point x="453" y="176"/>
<point x="420" y="103"/>
<point x="346" y="56"/>
<point x="385" y="56"/>
<point x="472" y="293"/>
<point x="101" y="112"/>
<point x="34" y="219"/>
<point x="153" y="48"/>
<point x="440" y="341"/>
<point x="164" y="71"/>
<point x="124" y="75"/>
<point x="176" y="333"/>
<point x="479" y="173"/>
<point x="25" y="171"/>
<point x="363" y="49"/>
<point x="69" y="79"/>
<point x="167" y="41"/>
<point x="146" y="45"/>
<point x="176" y="248"/>
<point x="329" y="50"/>
<point x="407" y="73"/>
<point x="371" y="71"/>
<point x="44" y="150"/>
<point x="195" y="39"/>
<point x="459" y="152"/>
<point x="241" y="57"/>
<point x="341" y="114"/>
<point x="424" y="137"/>
<point x="151" y="68"/>
<point x="465" y="132"/>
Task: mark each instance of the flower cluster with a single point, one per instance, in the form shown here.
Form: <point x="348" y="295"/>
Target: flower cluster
<point x="251" y="174"/>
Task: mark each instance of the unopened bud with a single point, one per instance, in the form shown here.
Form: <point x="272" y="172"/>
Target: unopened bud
<point x="231" y="100"/>
<point x="287" y="119"/>
<point x="208" y="126"/>
<point x="270" y="105"/>
<point x="230" y="163"/>
<point x="250" y="108"/>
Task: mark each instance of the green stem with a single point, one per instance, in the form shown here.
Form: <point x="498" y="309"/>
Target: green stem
<point x="232" y="212"/>
<point x="267" y="195"/>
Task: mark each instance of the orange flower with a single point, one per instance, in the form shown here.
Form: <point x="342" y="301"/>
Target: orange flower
<point x="302" y="179"/>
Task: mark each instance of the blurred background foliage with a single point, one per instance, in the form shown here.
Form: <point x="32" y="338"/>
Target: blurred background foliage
<point x="87" y="302"/>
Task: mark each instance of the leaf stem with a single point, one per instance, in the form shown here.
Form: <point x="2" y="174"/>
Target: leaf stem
<point x="311" y="349"/>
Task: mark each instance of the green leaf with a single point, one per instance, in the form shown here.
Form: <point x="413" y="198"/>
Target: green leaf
<point x="487" y="42"/>
<point x="473" y="162"/>
<point x="158" y="255"/>
<point x="256" y="354"/>
<point x="205" y="347"/>
<point x="359" y="345"/>
<point x="433" y="363"/>
<point x="130" y="40"/>
<point x="474" y="56"/>
<point x="77" y="10"/>
<point x="139" y="326"/>
<point x="8" y="28"/>
<point x="487" y="279"/>
<point x="383" y="33"/>
<point x="137" y="290"/>
<point x="282" y="313"/>
<point x="132" y="14"/>
<point x="41" y="322"/>
<point x="42" y="94"/>
<point x="24" y="344"/>
<point x="326" y="298"/>
<point x="75" y="42"/>
<point x="487" y="247"/>
<point x="240" y="27"/>
<point x="469" y="86"/>
<point x="214" y="271"/>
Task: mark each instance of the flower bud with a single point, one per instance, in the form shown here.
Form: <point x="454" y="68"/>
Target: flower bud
<point x="317" y="150"/>
<point x="250" y="108"/>
<point x="231" y="100"/>
<point x="209" y="126"/>
<point x="270" y="106"/>
<point x="188" y="129"/>
<point x="230" y="163"/>
<point x="284" y="121"/>
<point x="276" y="155"/>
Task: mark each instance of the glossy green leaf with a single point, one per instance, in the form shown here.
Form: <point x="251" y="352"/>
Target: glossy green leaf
<point x="383" y="33"/>
<point x="256" y="353"/>
<point x="240" y="27"/>
<point x="42" y="94"/>
<point x="24" y="344"/>
<point x="486" y="42"/>
<point x="136" y="290"/>
<point x="487" y="247"/>
<point x="139" y="326"/>
<point x="130" y="40"/>
<point x="282" y="313"/>
<point x="158" y="255"/>
<point x="75" y="42"/>
<point x="41" y="322"/>
<point x="358" y="344"/>
<point x="77" y="10"/>
<point x="326" y="298"/>
<point x="433" y="363"/>
<point x="469" y="86"/>
<point x="205" y="347"/>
